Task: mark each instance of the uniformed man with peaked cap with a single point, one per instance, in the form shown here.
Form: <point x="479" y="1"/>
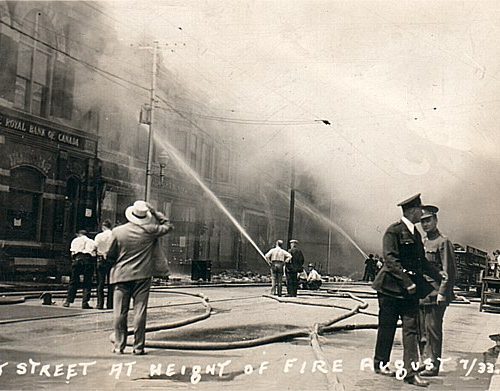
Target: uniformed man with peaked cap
<point x="399" y="285"/>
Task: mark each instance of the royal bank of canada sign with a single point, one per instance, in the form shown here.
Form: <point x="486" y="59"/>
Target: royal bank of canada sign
<point x="37" y="130"/>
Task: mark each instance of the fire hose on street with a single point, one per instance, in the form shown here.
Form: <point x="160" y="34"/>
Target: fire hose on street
<point x="312" y="333"/>
<point x="279" y="337"/>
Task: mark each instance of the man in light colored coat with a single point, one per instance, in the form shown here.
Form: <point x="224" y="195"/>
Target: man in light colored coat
<point x="132" y="256"/>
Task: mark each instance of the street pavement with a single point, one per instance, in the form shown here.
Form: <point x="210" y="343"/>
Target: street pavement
<point x="70" y="348"/>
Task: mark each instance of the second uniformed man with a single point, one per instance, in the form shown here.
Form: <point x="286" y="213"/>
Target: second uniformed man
<point x="440" y="252"/>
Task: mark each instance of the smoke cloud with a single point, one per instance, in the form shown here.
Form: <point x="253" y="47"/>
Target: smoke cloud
<point x="410" y="89"/>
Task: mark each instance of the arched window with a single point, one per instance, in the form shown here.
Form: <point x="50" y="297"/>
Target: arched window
<point x="24" y="203"/>
<point x="35" y="64"/>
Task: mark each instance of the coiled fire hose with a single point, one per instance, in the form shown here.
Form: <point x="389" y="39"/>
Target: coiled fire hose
<point x="313" y="334"/>
<point x="280" y="337"/>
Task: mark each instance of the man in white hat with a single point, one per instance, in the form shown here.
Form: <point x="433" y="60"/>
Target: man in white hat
<point x="131" y="253"/>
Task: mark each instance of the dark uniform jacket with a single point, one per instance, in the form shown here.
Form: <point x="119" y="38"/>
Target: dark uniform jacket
<point x="440" y="253"/>
<point x="297" y="262"/>
<point x="405" y="264"/>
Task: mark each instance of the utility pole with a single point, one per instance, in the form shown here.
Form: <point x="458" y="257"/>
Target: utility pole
<point x="292" y="204"/>
<point x="329" y="252"/>
<point x="149" y="164"/>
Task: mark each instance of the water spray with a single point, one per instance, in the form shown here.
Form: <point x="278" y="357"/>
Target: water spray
<point x="316" y="214"/>
<point x="181" y="163"/>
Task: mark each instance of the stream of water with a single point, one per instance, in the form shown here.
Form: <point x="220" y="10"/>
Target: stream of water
<point x="325" y="220"/>
<point x="181" y="163"/>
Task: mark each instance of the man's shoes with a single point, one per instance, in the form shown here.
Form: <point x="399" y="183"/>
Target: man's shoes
<point x="385" y="372"/>
<point x="86" y="307"/>
<point x="117" y="351"/>
<point x="139" y="353"/>
<point x="66" y="304"/>
<point x="429" y="373"/>
<point x="416" y="381"/>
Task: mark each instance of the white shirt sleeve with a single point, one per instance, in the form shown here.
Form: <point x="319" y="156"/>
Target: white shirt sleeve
<point x="76" y="246"/>
<point x="313" y="275"/>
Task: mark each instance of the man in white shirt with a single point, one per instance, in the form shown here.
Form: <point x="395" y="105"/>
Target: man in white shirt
<point x="277" y="258"/>
<point x="313" y="278"/>
<point x="83" y="251"/>
<point x="103" y="242"/>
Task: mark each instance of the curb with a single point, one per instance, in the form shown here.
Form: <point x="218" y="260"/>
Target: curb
<point x="4" y="300"/>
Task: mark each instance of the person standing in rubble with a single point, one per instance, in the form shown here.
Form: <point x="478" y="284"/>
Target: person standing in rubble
<point x="277" y="257"/>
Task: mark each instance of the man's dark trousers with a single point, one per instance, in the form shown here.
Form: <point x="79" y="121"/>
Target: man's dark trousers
<point x="277" y="277"/>
<point x="292" y="283"/>
<point x="314" y="285"/>
<point x="81" y="264"/>
<point x="390" y="310"/>
<point x="102" y="278"/>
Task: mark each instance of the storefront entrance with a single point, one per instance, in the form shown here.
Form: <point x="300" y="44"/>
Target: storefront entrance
<point x="24" y="204"/>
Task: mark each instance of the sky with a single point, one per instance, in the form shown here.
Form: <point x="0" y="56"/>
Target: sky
<point x="410" y="89"/>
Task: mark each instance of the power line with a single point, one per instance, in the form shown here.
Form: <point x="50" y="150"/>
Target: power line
<point x="80" y="43"/>
<point x="55" y="32"/>
<point x="93" y="67"/>
<point x="128" y="26"/>
<point x="289" y="101"/>
<point x="244" y="121"/>
<point x="185" y="117"/>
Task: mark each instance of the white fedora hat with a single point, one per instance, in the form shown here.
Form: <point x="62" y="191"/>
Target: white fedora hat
<point x="139" y="213"/>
